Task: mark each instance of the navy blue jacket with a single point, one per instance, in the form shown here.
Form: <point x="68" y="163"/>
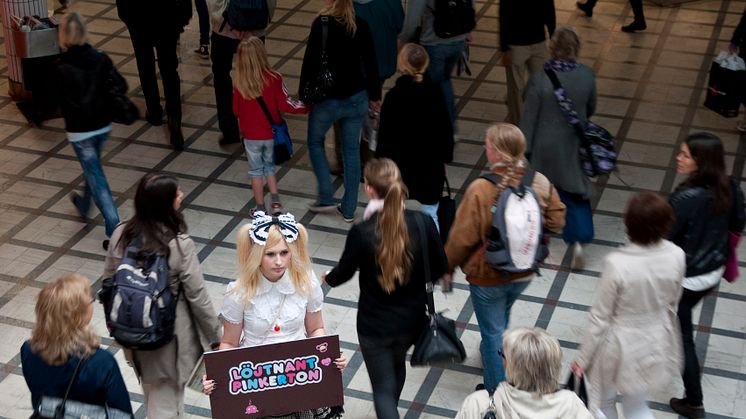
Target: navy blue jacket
<point x="99" y="380"/>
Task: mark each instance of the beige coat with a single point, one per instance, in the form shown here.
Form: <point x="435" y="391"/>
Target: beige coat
<point x="633" y="338"/>
<point x="511" y="403"/>
<point x="196" y="328"/>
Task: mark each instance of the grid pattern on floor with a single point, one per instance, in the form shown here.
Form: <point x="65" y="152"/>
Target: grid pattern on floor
<point x="650" y="93"/>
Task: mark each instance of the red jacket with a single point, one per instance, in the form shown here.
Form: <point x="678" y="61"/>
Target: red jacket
<point x="251" y="119"/>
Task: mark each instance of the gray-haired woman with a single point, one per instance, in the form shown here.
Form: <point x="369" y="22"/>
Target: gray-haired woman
<point x="533" y="359"/>
<point x="553" y="144"/>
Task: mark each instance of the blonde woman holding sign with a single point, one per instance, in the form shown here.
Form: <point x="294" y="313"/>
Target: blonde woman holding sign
<point x="277" y="297"/>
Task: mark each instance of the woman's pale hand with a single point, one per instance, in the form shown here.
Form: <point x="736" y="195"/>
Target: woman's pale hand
<point x="577" y="369"/>
<point x="208" y="386"/>
<point x="341" y="362"/>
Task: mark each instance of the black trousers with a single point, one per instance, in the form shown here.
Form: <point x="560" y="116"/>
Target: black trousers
<point x="691" y="375"/>
<point x="147" y="44"/>
<point x="636" y="8"/>
<point x="385" y="360"/>
<point x="221" y="54"/>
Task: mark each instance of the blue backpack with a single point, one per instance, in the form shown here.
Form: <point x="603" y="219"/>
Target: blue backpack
<point x="139" y="306"/>
<point x="246" y="15"/>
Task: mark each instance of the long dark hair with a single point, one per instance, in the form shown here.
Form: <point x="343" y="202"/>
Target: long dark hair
<point x="155" y="220"/>
<point x="707" y="151"/>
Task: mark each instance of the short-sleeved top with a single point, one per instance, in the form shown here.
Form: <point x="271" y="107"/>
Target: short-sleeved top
<point x="260" y="314"/>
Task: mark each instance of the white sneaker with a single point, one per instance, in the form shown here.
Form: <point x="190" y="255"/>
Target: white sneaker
<point x="741" y="126"/>
<point x="578" y="259"/>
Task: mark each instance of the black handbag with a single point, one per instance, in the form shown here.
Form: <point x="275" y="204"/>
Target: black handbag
<point x="577" y="385"/>
<point x="317" y="89"/>
<point x="446" y="213"/>
<point x="123" y="110"/>
<point x="56" y="408"/>
<point x="438" y="343"/>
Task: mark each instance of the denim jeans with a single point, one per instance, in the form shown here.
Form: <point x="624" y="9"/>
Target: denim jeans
<point x="443" y="59"/>
<point x="691" y="374"/>
<point x="204" y="21"/>
<point x="432" y="212"/>
<point x="349" y="113"/>
<point x="492" y="307"/>
<point x="96" y="186"/>
<point x="385" y="361"/>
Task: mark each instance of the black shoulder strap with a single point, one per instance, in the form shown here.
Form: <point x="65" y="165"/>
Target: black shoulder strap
<point x="266" y="110"/>
<point x="528" y="177"/>
<point x="70" y="385"/>
<point x="553" y="77"/>
<point x="324" y="34"/>
<point x="426" y="265"/>
<point x="492" y="177"/>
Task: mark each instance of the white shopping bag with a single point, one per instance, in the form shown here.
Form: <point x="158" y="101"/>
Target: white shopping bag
<point x="730" y="61"/>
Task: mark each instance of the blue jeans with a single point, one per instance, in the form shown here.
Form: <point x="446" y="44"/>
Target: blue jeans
<point x="492" y="306"/>
<point x="432" y="212"/>
<point x="443" y="59"/>
<point x="204" y="21"/>
<point x="349" y="112"/>
<point x="96" y="186"/>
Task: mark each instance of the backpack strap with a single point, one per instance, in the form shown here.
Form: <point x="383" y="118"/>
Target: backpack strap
<point x="222" y="26"/>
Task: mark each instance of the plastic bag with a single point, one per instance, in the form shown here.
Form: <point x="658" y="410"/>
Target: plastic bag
<point x="730" y="61"/>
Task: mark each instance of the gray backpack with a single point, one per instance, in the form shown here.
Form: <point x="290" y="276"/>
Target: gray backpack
<point x="516" y="242"/>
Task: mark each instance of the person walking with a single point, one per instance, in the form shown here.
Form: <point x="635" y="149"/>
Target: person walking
<point x="64" y="349"/>
<point x="203" y="13"/>
<point x="707" y="206"/>
<point x="638" y="24"/>
<point x="387" y="249"/>
<point x="523" y="27"/>
<point x="414" y="131"/>
<point x="493" y="292"/>
<point x="340" y="43"/>
<point x="632" y="344"/>
<point x="387" y="17"/>
<point x="533" y="360"/>
<point x="154" y="30"/>
<point x="84" y="102"/>
<point x="258" y="86"/>
<point x="224" y="43"/>
<point x="163" y="372"/>
<point x="444" y="53"/>
<point x="738" y="46"/>
<point x="276" y="281"/>
<point x="553" y="144"/>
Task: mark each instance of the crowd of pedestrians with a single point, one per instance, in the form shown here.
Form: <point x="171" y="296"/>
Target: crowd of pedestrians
<point x="640" y="328"/>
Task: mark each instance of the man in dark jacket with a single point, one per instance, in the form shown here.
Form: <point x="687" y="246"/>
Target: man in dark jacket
<point x="522" y="41"/>
<point x="154" y="28"/>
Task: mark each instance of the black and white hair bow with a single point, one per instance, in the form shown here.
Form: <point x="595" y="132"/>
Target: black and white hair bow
<point x="262" y="222"/>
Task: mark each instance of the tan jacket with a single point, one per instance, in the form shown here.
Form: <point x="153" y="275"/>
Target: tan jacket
<point x="197" y="327"/>
<point x="633" y="339"/>
<point x="512" y="403"/>
<point x="465" y="244"/>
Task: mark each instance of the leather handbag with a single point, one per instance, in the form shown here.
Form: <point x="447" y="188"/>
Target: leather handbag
<point x="317" y="89"/>
<point x="283" y="145"/>
<point x="123" y="110"/>
<point x="577" y="385"/>
<point x="446" y="213"/>
<point x="438" y="343"/>
<point x="56" y="408"/>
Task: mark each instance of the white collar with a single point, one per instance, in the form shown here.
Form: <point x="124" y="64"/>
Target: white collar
<point x="284" y="285"/>
<point x="374" y="206"/>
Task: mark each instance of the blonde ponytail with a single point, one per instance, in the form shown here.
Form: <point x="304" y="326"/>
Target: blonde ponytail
<point x="393" y="255"/>
<point x="413" y="61"/>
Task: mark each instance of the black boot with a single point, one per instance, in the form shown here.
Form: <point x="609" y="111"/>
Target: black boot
<point x="176" y="136"/>
<point x="635" y="26"/>
<point x="682" y="407"/>
<point x="587" y="8"/>
<point x="155" y="117"/>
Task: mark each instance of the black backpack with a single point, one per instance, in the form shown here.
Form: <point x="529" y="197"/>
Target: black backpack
<point x="139" y="306"/>
<point x="453" y="17"/>
<point x="246" y="15"/>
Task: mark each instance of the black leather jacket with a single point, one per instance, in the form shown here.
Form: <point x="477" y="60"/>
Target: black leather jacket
<point x="80" y="73"/>
<point x="702" y="234"/>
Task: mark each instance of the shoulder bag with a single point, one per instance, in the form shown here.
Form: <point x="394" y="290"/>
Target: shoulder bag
<point x="56" y="408"/>
<point x="597" y="153"/>
<point x="446" y="212"/>
<point x="317" y="89"/>
<point x="123" y="110"/>
<point x="283" y="145"/>
<point x="438" y="343"/>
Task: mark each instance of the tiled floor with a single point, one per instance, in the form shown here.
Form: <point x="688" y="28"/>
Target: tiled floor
<point x="650" y="85"/>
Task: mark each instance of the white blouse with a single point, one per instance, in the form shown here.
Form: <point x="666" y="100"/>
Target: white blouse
<point x="262" y="324"/>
